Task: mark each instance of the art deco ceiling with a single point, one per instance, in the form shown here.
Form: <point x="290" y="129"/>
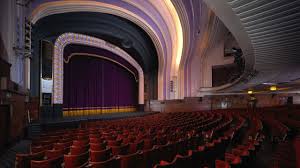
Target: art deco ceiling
<point x="168" y="34"/>
<point x="269" y="33"/>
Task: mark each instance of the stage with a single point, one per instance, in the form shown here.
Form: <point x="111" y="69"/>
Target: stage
<point x="35" y="128"/>
<point x="111" y="116"/>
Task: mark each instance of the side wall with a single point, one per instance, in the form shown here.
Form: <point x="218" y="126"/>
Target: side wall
<point x="217" y="102"/>
<point x="12" y="94"/>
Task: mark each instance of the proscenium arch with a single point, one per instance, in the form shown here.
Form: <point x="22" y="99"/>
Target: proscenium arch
<point x="73" y="38"/>
<point x="57" y="7"/>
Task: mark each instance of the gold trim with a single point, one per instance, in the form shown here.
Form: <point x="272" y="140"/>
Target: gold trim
<point x="87" y="112"/>
<point x="104" y="107"/>
<point x="101" y="57"/>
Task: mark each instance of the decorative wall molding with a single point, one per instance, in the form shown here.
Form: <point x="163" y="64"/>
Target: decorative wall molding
<point x="72" y="38"/>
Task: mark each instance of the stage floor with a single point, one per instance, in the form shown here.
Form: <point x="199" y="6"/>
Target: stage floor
<point x="96" y="117"/>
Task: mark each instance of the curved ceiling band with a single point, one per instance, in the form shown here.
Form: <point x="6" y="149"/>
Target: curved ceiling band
<point x="169" y="56"/>
<point x="267" y="32"/>
<point x="72" y="38"/>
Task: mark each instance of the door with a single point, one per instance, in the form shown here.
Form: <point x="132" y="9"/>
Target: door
<point x="4" y="125"/>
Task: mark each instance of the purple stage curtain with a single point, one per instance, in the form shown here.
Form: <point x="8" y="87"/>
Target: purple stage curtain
<point x="91" y="82"/>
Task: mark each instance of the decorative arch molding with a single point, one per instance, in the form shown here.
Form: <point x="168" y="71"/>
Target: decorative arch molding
<point x="72" y="38"/>
<point x="159" y="20"/>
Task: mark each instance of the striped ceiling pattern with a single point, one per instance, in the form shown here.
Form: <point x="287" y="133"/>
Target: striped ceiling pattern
<point x="273" y="29"/>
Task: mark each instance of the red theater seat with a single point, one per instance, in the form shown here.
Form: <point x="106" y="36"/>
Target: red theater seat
<point x="198" y="156"/>
<point x="132" y="160"/>
<point x="96" y="140"/>
<point x="80" y="142"/>
<point x="184" y="161"/>
<point x="120" y="150"/>
<point x="36" y="149"/>
<point x="150" y="157"/>
<point x="114" y="142"/>
<point x="110" y="138"/>
<point x="82" y="137"/>
<point x="210" y="153"/>
<point x="235" y="161"/>
<point x="72" y="161"/>
<point x="134" y="147"/>
<point x="76" y="150"/>
<point x="113" y="162"/>
<point x="49" y="163"/>
<point x="165" y="164"/>
<point x="99" y="156"/>
<point x="97" y="146"/>
<point x="148" y="143"/>
<point x="167" y="151"/>
<point x="23" y="160"/>
<point x="297" y="149"/>
<point x="221" y="164"/>
<point x="55" y="153"/>
<point x="62" y="145"/>
<point x="64" y="140"/>
<point x="94" y="136"/>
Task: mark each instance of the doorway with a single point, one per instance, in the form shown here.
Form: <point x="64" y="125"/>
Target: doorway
<point x="4" y="125"/>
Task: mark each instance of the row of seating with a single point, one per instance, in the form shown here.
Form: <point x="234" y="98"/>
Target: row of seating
<point x="117" y="141"/>
<point x="241" y="155"/>
<point x="284" y="155"/>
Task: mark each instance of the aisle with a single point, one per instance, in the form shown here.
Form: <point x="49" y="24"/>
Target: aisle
<point x="7" y="160"/>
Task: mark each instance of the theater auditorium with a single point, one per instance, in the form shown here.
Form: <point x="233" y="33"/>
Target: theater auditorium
<point x="149" y="83"/>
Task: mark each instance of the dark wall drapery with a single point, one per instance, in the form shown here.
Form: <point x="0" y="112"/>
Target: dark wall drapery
<point x="93" y="83"/>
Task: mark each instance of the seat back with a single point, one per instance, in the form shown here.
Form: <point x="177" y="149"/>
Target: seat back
<point x="36" y="149"/>
<point x="81" y="142"/>
<point x="62" y="145"/>
<point x="110" y="163"/>
<point x="167" y="152"/>
<point x="134" y="147"/>
<point x="97" y="146"/>
<point x="150" y="157"/>
<point x="49" y="163"/>
<point x="99" y="156"/>
<point x="76" y="160"/>
<point x="114" y="142"/>
<point x="23" y="160"/>
<point x="132" y="160"/>
<point x="120" y="150"/>
<point x="54" y="153"/>
<point x="76" y="150"/>
<point x="221" y="164"/>
<point x="198" y="157"/>
<point x="164" y="164"/>
<point x="184" y="161"/>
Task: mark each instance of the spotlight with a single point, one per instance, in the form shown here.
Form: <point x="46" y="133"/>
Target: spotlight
<point x="250" y="92"/>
